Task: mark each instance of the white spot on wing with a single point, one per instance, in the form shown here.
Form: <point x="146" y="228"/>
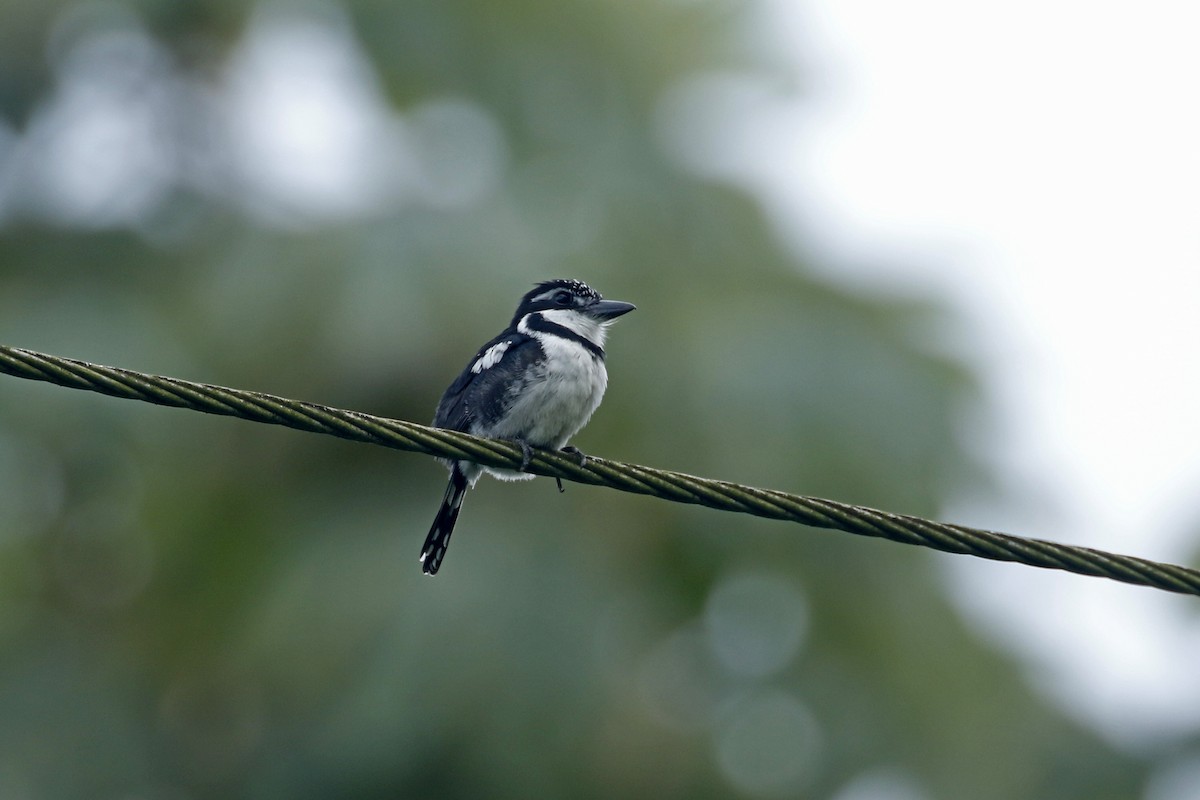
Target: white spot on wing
<point x="490" y="357"/>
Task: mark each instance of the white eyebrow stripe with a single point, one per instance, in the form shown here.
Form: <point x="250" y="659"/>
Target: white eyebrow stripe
<point x="546" y="295"/>
<point x="490" y="356"/>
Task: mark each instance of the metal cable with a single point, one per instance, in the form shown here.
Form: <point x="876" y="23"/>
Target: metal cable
<point x="675" y="486"/>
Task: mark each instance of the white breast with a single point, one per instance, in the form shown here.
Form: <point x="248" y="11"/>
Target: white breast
<point x="558" y="400"/>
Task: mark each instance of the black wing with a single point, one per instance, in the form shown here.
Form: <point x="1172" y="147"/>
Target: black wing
<point x="482" y="395"/>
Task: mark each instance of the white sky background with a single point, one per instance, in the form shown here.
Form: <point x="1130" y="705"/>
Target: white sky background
<point x="1036" y="164"/>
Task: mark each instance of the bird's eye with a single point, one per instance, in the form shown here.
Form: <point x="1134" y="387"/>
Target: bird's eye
<point x="562" y="299"/>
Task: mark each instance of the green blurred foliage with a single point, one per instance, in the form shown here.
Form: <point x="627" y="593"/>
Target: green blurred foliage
<point x="196" y="607"/>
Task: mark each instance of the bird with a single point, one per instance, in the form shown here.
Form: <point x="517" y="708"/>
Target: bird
<point x="537" y="384"/>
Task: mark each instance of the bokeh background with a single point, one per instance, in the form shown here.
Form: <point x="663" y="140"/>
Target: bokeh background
<point x="339" y="202"/>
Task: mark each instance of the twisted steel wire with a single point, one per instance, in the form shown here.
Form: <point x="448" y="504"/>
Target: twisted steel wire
<point x="675" y="486"/>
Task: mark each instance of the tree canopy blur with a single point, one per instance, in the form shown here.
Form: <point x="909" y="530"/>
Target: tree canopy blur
<point x="338" y="203"/>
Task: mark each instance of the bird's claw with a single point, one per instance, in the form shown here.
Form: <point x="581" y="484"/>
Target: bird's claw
<point x="575" y="451"/>
<point x="526" y="454"/>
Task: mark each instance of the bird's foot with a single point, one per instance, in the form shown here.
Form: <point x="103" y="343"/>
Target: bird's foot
<point x="574" y="451"/>
<point x="526" y="453"/>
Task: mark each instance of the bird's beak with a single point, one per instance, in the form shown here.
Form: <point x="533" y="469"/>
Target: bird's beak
<point x="609" y="309"/>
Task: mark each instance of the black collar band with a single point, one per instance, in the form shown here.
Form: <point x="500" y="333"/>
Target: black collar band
<point x="536" y="322"/>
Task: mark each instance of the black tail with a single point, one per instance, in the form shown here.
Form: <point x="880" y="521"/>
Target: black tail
<point x="434" y="549"/>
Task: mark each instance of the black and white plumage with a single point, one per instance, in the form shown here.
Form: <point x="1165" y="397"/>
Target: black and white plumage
<point x="537" y="383"/>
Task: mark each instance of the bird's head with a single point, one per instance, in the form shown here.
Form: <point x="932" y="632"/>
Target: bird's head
<point x="572" y="304"/>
